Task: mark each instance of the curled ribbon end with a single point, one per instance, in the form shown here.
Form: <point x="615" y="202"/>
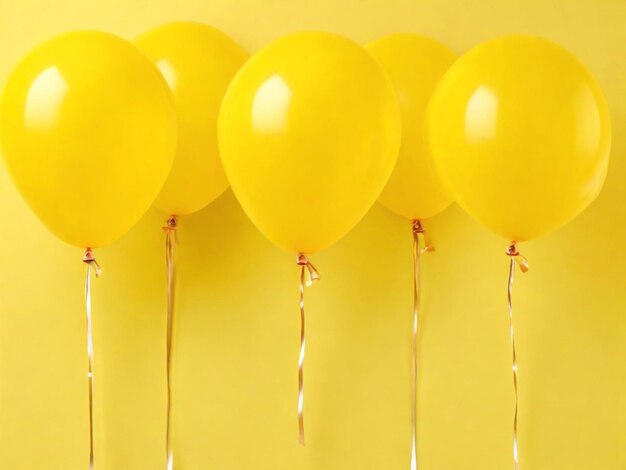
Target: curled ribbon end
<point x="89" y="258"/>
<point x="514" y="253"/>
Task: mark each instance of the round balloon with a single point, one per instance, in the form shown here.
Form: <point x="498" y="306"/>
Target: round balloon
<point x="88" y="130"/>
<point x="415" y="64"/>
<point x="198" y="63"/>
<point x="309" y="132"/>
<point x="521" y="132"/>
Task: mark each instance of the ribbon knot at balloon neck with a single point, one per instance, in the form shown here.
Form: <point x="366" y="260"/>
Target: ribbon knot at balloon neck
<point x="171" y="226"/>
<point x="516" y="256"/>
<point x="419" y="231"/>
<point x="311" y="273"/>
<point x="90" y="259"/>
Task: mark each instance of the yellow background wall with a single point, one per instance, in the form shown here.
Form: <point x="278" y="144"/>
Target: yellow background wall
<point x="237" y="326"/>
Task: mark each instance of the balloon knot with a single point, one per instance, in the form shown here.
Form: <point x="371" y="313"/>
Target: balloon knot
<point x="418" y="230"/>
<point x="312" y="273"/>
<point x="512" y="250"/>
<point x="515" y="255"/>
<point x="417" y="226"/>
<point x="88" y="256"/>
<point x="171" y="223"/>
<point x="89" y="259"/>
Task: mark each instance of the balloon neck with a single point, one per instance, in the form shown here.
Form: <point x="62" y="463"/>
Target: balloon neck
<point x="512" y="250"/>
<point x="171" y="223"/>
<point x="307" y="267"/>
<point x="417" y="226"/>
<point x="515" y="255"/>
<point x="420" y="233"/>
<point x="88" y="256"/>
<point x="90" y="259"/>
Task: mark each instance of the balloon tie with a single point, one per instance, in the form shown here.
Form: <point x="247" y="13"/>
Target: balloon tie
<point x="171" y="238"/>
<point x="308" y="274"/>
<point x="516" y="259"/>
<point x="90" y="261"/>
<point x="419" y="238"/>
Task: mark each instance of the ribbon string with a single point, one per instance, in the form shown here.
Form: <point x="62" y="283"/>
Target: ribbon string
<point x="519" y="260"/>
<point x="90" y="261"/>
<point x="171" y="238"/>
<point x="418" y="233"/>
<point x="308" y="274"/>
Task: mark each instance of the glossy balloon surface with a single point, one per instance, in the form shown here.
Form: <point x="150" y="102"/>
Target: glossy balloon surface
<point x="198" y="63"/>
<point x="88" y="132"/>
<point x="415" y="64"/>
<point x="521" y="132"/>
<point x="309" y="133"/>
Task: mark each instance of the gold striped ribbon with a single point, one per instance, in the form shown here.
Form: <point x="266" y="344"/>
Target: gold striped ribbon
<point x="90" y="261"/>
<point x="519" y="260"/>
<point x="171" y="238"/>
<point x="308" y="274"/>
<point x="418" y="233"/>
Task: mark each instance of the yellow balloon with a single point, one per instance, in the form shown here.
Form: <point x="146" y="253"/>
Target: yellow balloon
<point x="415" y="64"/>
<point x="521" y="132"/>
<point x="198" y="63"/>
<point x="88" y="130"/>
<point x="309" y="132"/>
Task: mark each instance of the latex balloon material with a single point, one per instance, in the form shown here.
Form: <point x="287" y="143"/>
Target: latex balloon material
<point x="309" y="133"/>
<point x="198" y="63"/>
<point x="521" y="132"/>
<point x="415" y="64"/>
<point x="88" y="131"/>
